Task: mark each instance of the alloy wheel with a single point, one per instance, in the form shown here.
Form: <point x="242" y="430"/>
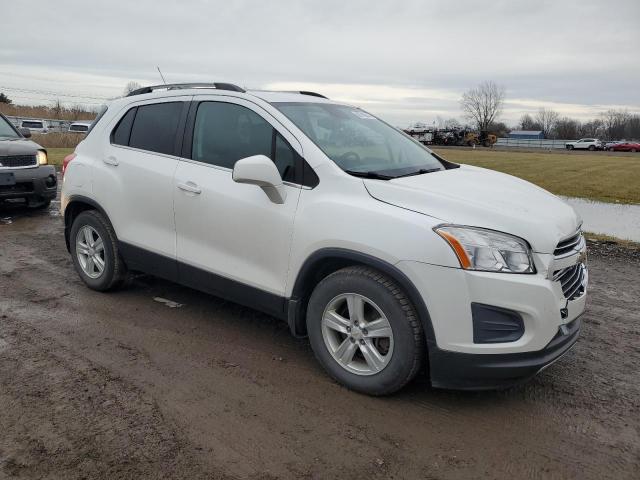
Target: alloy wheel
<point x="357" y="334"/>
<point x="90" y="251"/>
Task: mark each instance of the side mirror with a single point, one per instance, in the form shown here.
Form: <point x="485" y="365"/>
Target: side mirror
<point x="261" y="171"/>
<point x="25" y="132"/>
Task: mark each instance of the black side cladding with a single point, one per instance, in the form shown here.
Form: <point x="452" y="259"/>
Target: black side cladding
<point x="495" y="324"/>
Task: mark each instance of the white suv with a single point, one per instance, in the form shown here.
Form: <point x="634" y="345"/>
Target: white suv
<point x="584" y="144"/>
<point x="390" y="258"/>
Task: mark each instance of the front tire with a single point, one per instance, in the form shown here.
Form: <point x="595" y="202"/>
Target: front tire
<point x="569" y="147"/>
<point x="94" y="250"/>
<point x="364" y="331"/>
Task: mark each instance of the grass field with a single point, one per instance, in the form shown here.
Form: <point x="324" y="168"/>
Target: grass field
<point x="598" y="177"/>
<point x="606" y="178"/>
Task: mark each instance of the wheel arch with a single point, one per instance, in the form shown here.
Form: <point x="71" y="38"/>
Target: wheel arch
<point x="328" y="260"/>
<point x="75" y="206"/>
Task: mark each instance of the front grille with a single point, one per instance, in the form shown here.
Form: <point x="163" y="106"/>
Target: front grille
<point x="17" y="161"/>
<point x="572" y="280"/>
<point x="569" y="245"/>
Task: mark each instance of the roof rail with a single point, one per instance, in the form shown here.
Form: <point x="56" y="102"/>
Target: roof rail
<point x="178" y="86"/>
<point x="312" y="94"/>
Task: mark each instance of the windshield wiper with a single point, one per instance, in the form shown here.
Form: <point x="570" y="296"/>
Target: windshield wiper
<point x="374" y="175"/>
<point x="419" y="172"/>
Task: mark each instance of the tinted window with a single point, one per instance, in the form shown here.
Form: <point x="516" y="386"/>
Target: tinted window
<point x="155" y="127"/>
<point x="284" y="158"/>
<point x="79" y="128"/>
<point x="224" y="133"/>
<point x="121" y="133"/>
<point x="32" y="125"/>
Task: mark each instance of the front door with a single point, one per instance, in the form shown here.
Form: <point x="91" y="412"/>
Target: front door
<point x="231" y="239"/>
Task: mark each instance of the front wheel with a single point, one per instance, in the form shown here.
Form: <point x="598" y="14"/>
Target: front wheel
<point x="569" y="147"/>
<point x="94" y="250"/>
<point x="364" y="331"/>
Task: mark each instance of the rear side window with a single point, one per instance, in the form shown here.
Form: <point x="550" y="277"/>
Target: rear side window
<point x="225" y="133"/>
<point x="155" y="126"/>
<point x="32" y="125"/>
<point x="122" y="132"/>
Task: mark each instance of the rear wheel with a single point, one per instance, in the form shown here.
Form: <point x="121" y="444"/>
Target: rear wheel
<point x="94" y="250"/>
<point x="592" y="147"/>
<point x="634" y="150"/>
<point x="364" y="331"/>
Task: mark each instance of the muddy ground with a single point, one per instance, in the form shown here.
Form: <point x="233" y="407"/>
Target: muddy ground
<point x="105" y="386"/>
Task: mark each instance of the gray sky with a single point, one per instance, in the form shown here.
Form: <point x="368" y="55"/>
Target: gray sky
<point x="404" y="60"/>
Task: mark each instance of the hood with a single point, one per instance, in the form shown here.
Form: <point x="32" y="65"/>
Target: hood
<point x="483" y="198"/>
<point x="20" y="146"/>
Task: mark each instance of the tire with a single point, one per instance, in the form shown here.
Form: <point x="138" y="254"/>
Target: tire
<point x="569" y="147"/>
<point x="592" y="148"/>
<point x="405" y="350"/>
<point x="633" y="150"/>
<point x="114" y="270"/>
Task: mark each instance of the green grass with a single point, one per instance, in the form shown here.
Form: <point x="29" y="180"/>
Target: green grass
<point x="606" y="178"/>
<point x="56" y="155"/>
<point x="614" y="179"/>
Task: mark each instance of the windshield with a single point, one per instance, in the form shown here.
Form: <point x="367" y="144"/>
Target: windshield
<point x="358" y="142"/>
<point x="6" y="130"/>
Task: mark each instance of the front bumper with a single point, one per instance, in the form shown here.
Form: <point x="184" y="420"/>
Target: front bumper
<point x="549" y="322"/>
<point x="465" y="371"/>
<point x="38" y="183"/>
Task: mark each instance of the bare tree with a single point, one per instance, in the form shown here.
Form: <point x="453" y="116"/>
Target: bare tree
<point x="483" y="104"/>
<point x="547" y="120"/>
<point x="528" y="123"/>
<point x="614" y="122"/>
<point x="131" y="86"/>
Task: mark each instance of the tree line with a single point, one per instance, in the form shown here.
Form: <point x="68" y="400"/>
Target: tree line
<point x="483" y="104"/>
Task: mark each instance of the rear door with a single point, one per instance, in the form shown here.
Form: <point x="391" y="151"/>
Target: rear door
<point x="133" y="182"/>
<point x="231" y="239"/>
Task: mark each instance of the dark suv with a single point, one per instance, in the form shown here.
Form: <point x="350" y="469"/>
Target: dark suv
<point x="24" y="170"/>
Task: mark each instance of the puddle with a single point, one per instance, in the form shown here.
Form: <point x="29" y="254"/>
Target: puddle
<point x="617" y="220"/>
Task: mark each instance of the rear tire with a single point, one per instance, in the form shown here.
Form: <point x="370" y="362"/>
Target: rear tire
<point x="634" y="150"/>
<point x="398" y="356"/>
<point x="592" y="147"/>
<point x="94" y="251"/>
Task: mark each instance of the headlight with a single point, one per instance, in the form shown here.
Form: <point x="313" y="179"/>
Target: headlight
<point x="486" y="250"/>
<point x="41" y="156"/>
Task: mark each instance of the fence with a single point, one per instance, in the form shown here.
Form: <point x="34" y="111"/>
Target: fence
<point x="534" y="143"/>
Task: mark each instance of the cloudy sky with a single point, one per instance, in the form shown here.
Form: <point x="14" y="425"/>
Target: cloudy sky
<point x="404" y="60"/>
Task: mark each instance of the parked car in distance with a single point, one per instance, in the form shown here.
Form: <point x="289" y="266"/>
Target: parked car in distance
<point x="626" y="147"/>
<point x="609" y="145"/>
<point x="584" y="144"/>
<point x="24" y="170"/>
<point x="79" y="127"/>
<point x="35" y="126"/>
<point x="387" y="256"/>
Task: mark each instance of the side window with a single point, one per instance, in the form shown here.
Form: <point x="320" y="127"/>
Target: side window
<point x="285" y="158"/>
<point x="225" y="133"/>
<point x="122" y="132"/>
<point x="155" y="127"/>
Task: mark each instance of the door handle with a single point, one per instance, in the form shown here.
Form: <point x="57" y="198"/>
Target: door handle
<point x="190" y="187"/>
<point x="111" y="160"/>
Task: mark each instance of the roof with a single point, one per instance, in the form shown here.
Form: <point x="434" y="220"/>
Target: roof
<point x="525" y="132"/>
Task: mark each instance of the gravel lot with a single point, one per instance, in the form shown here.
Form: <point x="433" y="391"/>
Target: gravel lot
<point x="121" y="386"/>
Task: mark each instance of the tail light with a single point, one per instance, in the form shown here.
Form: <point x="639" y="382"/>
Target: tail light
<point x="66" y="162"/>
